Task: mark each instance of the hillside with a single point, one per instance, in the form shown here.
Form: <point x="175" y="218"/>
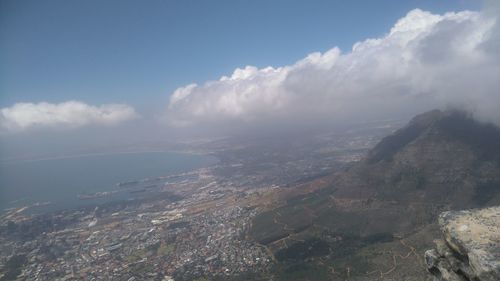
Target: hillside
<point x="439" y="157"/>
<point x="374" y="221"/>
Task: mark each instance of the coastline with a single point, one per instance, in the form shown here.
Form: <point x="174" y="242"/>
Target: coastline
<point x="11" y="161"/>
<point x="73" y="194"/>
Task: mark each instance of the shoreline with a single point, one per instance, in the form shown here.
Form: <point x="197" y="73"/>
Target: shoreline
<point x="83" y="155"/>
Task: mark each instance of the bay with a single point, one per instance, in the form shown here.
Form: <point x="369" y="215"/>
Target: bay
<point x="60" y="181"/>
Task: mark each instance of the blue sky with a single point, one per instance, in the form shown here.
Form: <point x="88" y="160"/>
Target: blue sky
<point x="139" y="52"/>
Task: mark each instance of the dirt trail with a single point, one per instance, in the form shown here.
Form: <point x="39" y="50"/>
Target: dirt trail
<point x="395" y="257"/>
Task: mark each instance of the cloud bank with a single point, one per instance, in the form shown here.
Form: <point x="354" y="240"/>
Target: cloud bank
<point x="70" y="114"/>
<point x="425" y="61"/>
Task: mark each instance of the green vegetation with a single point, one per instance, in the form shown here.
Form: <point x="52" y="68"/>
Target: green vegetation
<point x="265" y="230"/>
<point x="165" y="249"/>
<point x="302" y="271"/>
<point x="137" y="256"/>
<point x="13" y="267"/>
<point x="304" y="249"/>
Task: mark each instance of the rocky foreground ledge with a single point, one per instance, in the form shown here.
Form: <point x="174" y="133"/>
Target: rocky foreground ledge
<point x="470" y="248"/>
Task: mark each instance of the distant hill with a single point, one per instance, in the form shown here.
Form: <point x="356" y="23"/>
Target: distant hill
<point x="439" y="157"/>
<point x="375" y="220"/>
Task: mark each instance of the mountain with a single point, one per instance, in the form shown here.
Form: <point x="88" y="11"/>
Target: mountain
<point x="442" y="157"/>
<point x="375" y="220"/>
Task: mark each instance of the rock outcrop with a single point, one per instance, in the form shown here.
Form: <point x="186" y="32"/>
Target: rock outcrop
<point x="470" y="248"/>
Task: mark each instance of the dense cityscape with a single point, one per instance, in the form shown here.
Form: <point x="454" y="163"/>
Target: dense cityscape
<point x="184" y="227"/>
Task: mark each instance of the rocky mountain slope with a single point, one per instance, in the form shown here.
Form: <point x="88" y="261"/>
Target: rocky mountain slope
<point x="439" y="157"/>
<point x="375" y="220"/>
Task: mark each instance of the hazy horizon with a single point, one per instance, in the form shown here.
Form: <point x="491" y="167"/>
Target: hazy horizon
<point x="422" y="56"/>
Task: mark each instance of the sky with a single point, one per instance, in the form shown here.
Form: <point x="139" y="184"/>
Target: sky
<point x="134" y="51"/>
<point x="150" y="66"/>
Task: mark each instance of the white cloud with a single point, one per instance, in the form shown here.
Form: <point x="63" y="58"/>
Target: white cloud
<point x="70" y="114"/>
<point x="425" y="61"/>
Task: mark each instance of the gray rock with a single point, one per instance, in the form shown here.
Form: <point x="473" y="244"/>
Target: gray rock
<point x="440" y="267"/>
<point x="471" y="246"/>
<point x="432" y="258"/>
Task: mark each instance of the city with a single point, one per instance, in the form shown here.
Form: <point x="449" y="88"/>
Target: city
<point x="193" y="225"/>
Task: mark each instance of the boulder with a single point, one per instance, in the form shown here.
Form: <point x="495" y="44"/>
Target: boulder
<point x="470" y="248"/>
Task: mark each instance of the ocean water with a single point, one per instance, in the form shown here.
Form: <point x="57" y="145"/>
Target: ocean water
<point x="59" y="181"/>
